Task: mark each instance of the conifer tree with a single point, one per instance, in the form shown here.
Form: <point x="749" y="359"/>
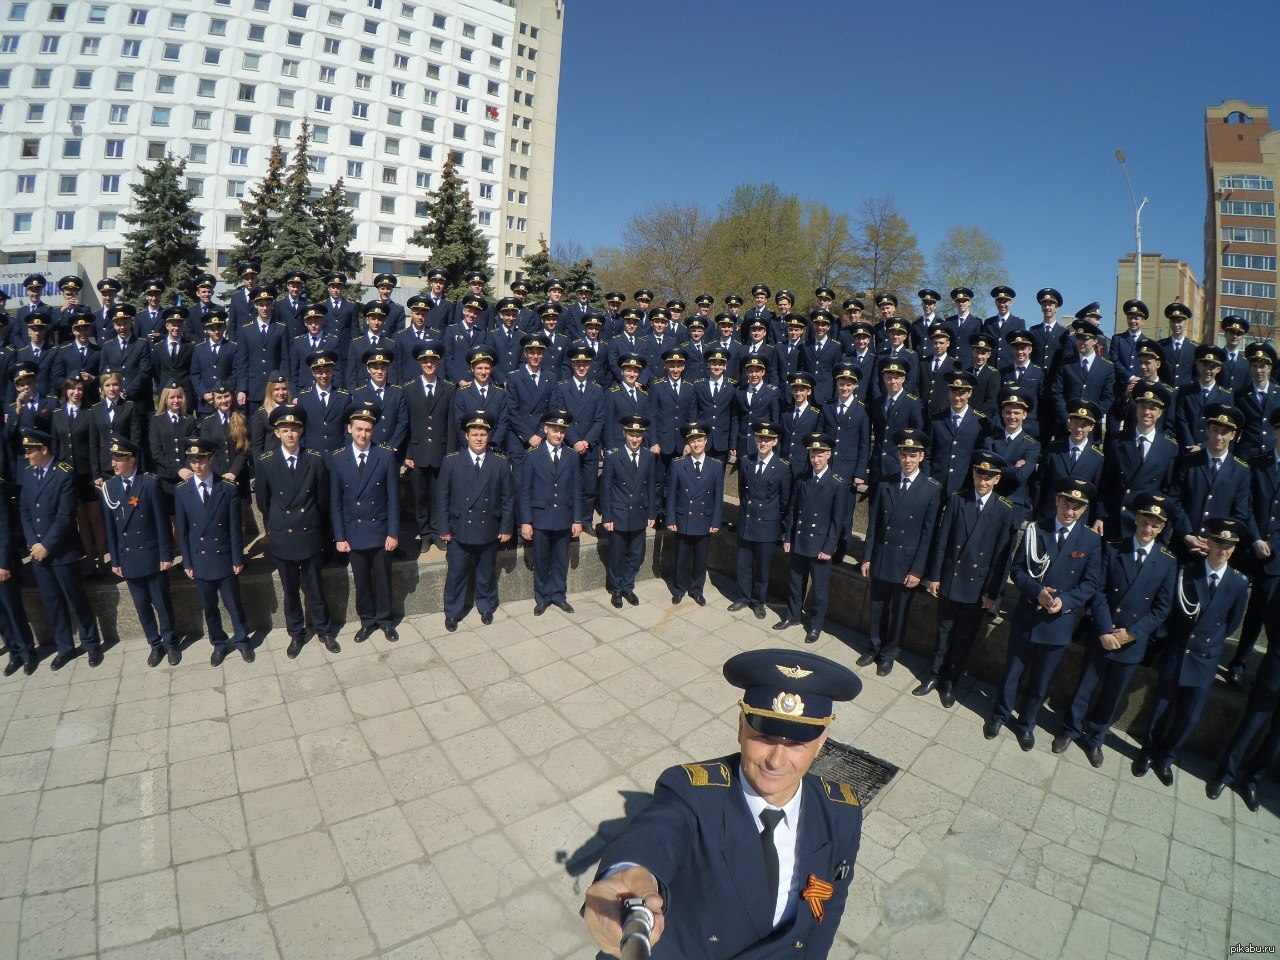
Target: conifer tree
<point x="451" y="234"/>
<point x="336" y="228"/>
<point x="258" y="211"/>
<point x="295" y="243"/>
<point x="538" y="267"/>
<point x="165" y="239"/>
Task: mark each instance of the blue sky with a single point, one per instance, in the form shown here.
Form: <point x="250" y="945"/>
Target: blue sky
<point x="1002" y="114"/>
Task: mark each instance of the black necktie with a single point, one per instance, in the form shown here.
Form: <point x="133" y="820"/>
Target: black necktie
<point x="128" y="487"/>
<point x="977" y="506"/>
<point x="1215" y="464"/>
<point x="759" y="468"/>
<point x="635" y="460"/>
<point x="292" y="463"/>
<point x="173" y="350"/>
<point x="1213" y="583"/>
<point x="360" y="467"/>
<point x="477" y="465"/>
<point x="697" y="469"/>
<point x="1062" y="536"/>
<point x="204" y="493"/>
<point x="1142" y="447"/>
<point x="1139" y="556"/>
<point x="770" y="819"/>
<point x="484" y="394"/>
<point x="555" y="457"/>
<point x="1075" y="455"/>
<point x="431" y="389"/>
<point x="906" y="482"/>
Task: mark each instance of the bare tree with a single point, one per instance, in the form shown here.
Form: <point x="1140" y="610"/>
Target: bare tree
<point x="970" y="257"/>
<point x="888" y="258"/>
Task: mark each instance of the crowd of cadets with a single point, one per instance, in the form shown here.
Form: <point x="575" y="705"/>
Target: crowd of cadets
<point x="1130" y="488"/>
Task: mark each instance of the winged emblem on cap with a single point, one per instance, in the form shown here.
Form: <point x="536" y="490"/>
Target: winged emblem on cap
<point x="794" y="673"/>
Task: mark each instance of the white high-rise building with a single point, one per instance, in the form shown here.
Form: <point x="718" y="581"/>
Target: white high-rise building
<point x="91" y="91"/>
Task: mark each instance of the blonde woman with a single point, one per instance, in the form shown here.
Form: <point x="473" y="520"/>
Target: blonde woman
<point x="228" y="430"/>
<point x="260" y="432"/>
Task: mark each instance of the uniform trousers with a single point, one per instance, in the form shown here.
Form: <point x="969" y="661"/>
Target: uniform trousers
<point x="303" y="576"/>
<point x="754" y="557"/>
<point x="800" y="569"/>
<point x="588" y="481"/>
<point x="228" y="590"/>
<point x="1245" y="764"/>
<point x="690" y="575"/>
<point x="889" y="604"/>
<point x="958" y="626"/>
<point x="1262" y="594"/>
<point x="1037" y="661"/>
<point x="460" y="559"/>
<point x="1175" y="715"/>
<point x="371" y="573"/>
<point x="15" y="628"/>
<point x="550" y="565"/>
<point x="1110" y="679"/>
<point x="155" y="607"/>
<point x="422" y="481"/>
<point x="61" y="588"/>
<point x="626" y="554"/>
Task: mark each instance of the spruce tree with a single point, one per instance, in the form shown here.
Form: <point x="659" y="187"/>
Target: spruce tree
<point x="576" y="273"/>
<point x="165" y="239"/>
<point x="294" y="235"/>
<point x="538" y="267"/>
<point x="258" y="212"/>
<point x="451" y="234"/>
<point x="335" y="229"/>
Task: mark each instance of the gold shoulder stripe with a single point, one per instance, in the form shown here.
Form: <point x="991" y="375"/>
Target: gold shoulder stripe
<point x="838" y="792"/>
<point x="707" y="774"/>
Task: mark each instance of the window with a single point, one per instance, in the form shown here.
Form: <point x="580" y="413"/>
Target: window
<point x="466" y="53"/>
<point x="400" y="61"/>
<point x="212" y="56"/>
<point x="206" y="87"/>
<point x="355" y="169"/>
<point x="356" y="138"/>
<point x="486" y="164"/>
<point x="235" y="189"/>
<point x="40" y="79"/>
<point x="293" y="38"/>
<point x="171" y="51"/>
<point x="398" y="88"/>
<point x="82" y="79"/>
<point x="247" y="93"/>
<point x="360" y="110"/>
<point x="486" y="191"/>
<point x="484" y="218"/>
<point x="439" y="20"/>
<point x="404" y="36"/>
<point x="76" y="112"/>
<point x="17" y="11"/>
<point x="71" y="148"/>
<point x="124" y="81"/>
<point x="233" y="222"/>
<point x="429" y="97"/>
<point x="195" y="185"/>
<point x="335" y="18"/>
<point x="300" y="11"/>
<point x="331" y="45"/>
<point x="498" y="40"/>
<point x="156" y="149"/>
<point x="199" y="153"/>
<point x="1245" y="288"/>
<point x="284" y="128"/>
<point x="386" y="234"/>
<point x="113" y="150"/>
<point x="243" y="123"/>
<point x="469" y="31"/>
<point x="395" y="118"/>
<point x="320" y="134"/>
<point x="492" y="88"/>
<point x="436" y="46"/>
<point x="423" y="180"/>
<point x="1246" y="261"/>
<point x="35" y="112"/>
<point x="111" y="183"/>
<point x="390" y="175"/>
<point x="67" y="183"/>
<point x="5" y="74"/>
<point x="160" y="116"/>
<point x="407" y="10"/>
<point x="523" y="197"/>
<point x="364" y="81"/>
<point x="461" y="104"/>
<point x="433" y="71"/>
<point x="22" y="223"/>
<point x="458" y="157"/>
<point x="533" y="33"/>
<point x="119" y="113"/>
<point x="1247" y="208"/>
<point x="201" y="120"/>
<point x="1246" y="182"/>
<point x="1256" y="318"/>
<point x="328" y="74"/>
<point x="490" y="138"/>
<point x="459" y="131"/>
<point x="64" y="220"/>
<point x="1248" y="235"/>
<point x="131" y="49"/>
<point x="324" y="104"/>
<point x="9" y="44"/>
<point x="217" y="28"/>
<point x="165" y="83"/>
<point x="257" y="32"/>
<point x="26" y="183"/>
<point x="464" y="79"/>
<point x="89" y="46"/>
<point x="519" y="73"/>
<point x="387" y="205"/>
<point x="251" y="61"/>
<point x="370" y="26"/>
<point x="98" y="13"/>
<point x="177" y="21"/>
<point x="137" y="17"/>
<point x="424" y="151"/>
<point x="366" y="54"/>
<point x="285" y="98"/>
<point x="239" y="156"/>
<point x="106" y="219"/>
<point x="288" y="68"/>
<point x="392" y="146"/>
<point x="428" y="124"/>
<point x="261" y="6"/>
<point x="495" y="63"/>
<point x="316" y="163"/>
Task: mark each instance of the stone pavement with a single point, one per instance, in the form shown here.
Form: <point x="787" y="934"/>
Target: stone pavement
<point x="445" y="797"/>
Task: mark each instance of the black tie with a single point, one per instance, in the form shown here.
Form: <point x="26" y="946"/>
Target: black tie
<point x="173" y="350"/>
<point x="906" y="482"/>
<point x="1214" y="468"/>
<point x="477" y="465"/>
<point x="292" y="463"/>
<point x="1142" y="447"/>
<point x="128" y="487"/>
<point x="431" y="389"/>
<point x="1075" y="455"/>
<point x="1139" y="556"/>
<point x="1062" y="536"/>
<point x="484" y="394"/>
<point x="751" y="395"/>
<point x="977" y="506"/>
<point x="361" y="465"/>
<point x="697" y="469"/>
<point x="204" y="493"/>
<point x="759" y="468"/>
<point x="1213" y="583"/>
<point x="770" y="819"/>
<point x="555" y="457"/>
<point x="635" y="460"/>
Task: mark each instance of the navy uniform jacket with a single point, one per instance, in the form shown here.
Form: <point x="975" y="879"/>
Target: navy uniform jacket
<point x="364" y="509"/>
<point x="48" y="511"/>
<point x="1195" y="644"/>
<point x="505" y="342"/>
<point x="432" y="434"/>
<point x="1126" y="473"/>
<point x="1070" y="384"/>
<point x="668" y="413"/>
<point x="791" y="446"/>
<point x="468" y="401"/>
<point x="134" y="362"/>
<point x="406" y="367"/>
<point x="1033" y="382"/>
<point x="852" y="433"/>
<point x="340" y="319"/>
<point x="618" y="404"/>
<point x="473" y="509"/>
<point x="44" y="364"/>
<point x="68" y="364"/>
<point x="1235" y="371"/>
<point x="1180" y="361"/>
<point x="998" y="327"/>
<point x="1188" y="408"/>
<point x="599" y="373"/>
<point x="587" y="410"/>
<point x="932" y="384"/>
<point x="1138" y="600"/>
<point x="240" y="309"/>
<point x="628" y="495"/>
<point x="166" y="441"/>
<point x="906" y="412"/>
<point x="699" y="840"/>
<point x="137" y="527"/>
<point x="900" y="528"/>
<point x="549" y="495"/>
<point x="164" y="366"/>
<point x="1265" y="518"/>
<point x="290" y="314"/>
<point x="821" y="362"/>
<point x="457" y="343"/>
<point x="440" y="313"/>
<point x="765" y="405"/>
<point x="526" y="404"/>
<point x="1075" y="572"/>
<point x="788" y="358"/>
<point x="1055" y="465"/>
<point x="1015" y="482"/>
<point x="619" y="347"/>
<point x="1123" y="352"/>
<point x="950" y="450"/>
<point x="764" y="500"/>
<point x="695" y="367"/>
<point x="129" y="423"/>
<point x="1200" y="495"/>
<point x="393" y="426"/>
<point x="866" y="364"/>
<point x="326" y="425"/>
<point x="816" y="516"/>
<point x="987" y="391"/>
<point x="1257" y="436"/>
<point x="356" y="373"/>
<point x="695" y="504"/>
<point x="717" y="414"/>
<point x="554" y="362"/>
<point x="257" y="356"/>
<point x="738" y="354"/>
<point x="209" y="533"/>
<point x="1050" y="346"/>
<point x="300" y="348"/>
<point x="964" y="329"/>
<point x="970" y="555"/>
<point x="206" y="369"/>
<point x="227" y="458"/>
<point x="394" y="321"/>
<point x="293" y="503"/>
<point x="72" y="442"/>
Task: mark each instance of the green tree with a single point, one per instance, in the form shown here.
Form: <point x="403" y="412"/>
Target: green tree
<point x="294" y="234"/>
<point x="888" y="258"/>
<point x="757" y="238"/>
<point x="258" y="212"/>
<point x="538" y="267"/>
<point x="451" y="235"/>
<point x="336" y="229"/>
<point x="665" y="248"/>
<point x="165" y="239"/>
<point x="970" y="257"/>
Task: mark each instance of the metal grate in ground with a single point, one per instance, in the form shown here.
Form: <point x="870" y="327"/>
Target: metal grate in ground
<point x="867" y="775"/>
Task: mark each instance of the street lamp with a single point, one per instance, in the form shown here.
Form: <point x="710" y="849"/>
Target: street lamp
<point x="1137" y="228"/>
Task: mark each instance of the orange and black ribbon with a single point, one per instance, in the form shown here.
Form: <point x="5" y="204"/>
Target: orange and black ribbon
<point x="816" y="892"/>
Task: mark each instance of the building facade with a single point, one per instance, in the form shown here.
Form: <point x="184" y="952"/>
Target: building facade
<point x="91" y="91"/>
<point x="1163" y="281"/>
<point x="1242" y="161"/>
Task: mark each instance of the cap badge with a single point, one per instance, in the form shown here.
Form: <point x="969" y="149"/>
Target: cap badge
<point x="788" y="704"/>
<point x="794" y="673"/>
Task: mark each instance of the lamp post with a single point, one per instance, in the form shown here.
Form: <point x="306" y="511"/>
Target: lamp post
<point x="1137" y="227"/>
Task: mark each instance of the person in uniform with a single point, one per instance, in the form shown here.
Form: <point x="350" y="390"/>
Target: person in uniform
<point x="693" y="511"/>
<point x="392" y="312"/>
<point x="1141" y="460"/>
<point x="429" y="401"/>
<point x="364" y="513"/>
<point x="748" y="855"/>
<point x="393" y="423"/>
<point x="323" y="405"/>
<point x="1031" y="378"/>
<point x="715" y="398"/>
<point x="764" y="496"/>
<point x="1124" y="345"/>
<point x="1073" y="456"/>
<point x="1187" y="420"/>
<point x="628" y="506"/>
<point x="240" y="308"/>
<point x="1263" y="566"/>
<point x="799" y="419"/>
<point x="846" y="422"/>
<point x="1057" y="569"/>
<point x="1248" y="756"/>
<point x="171" y="356"/>
<point x="439" y="309"/>
<point x="788" y="353"/>
<point x="987" y="379"/>
<point x="214" y="361"/>
<point x="820" y="357"/>
<point x="463" y="337"/>
<point x="355" y="375"/>
<point x="485" y="395"/>
<point x="1139" y="577"/>
<point x="549" y="505"/>
<point x="38" y="352"/>
<point x="47" y="506"/>
<point x="936" y="371"/>
<point x="1087" y="376"/>
<point x="1003" y="322"/>
<point x="80" y="358"/>
<point x="291" y="486"/>
<point x="340" y="313"/>
<point x="1052" y="339"/>
<point x="954" y="434"/>
<point x="1210" y="482"/>
<point x="1257" y="402"/>
<point x="1235" y="366"/>
<point x="72" y="444"/>
<point x="1178" y="348"/>
<point x="756" y="401"/>
<point x="965" y="324"/>
<point x="894" y="411"/>
<point x="140" y="547"/>
<point x="585" y="402"/>
<point x="968" y="565"/>
<point x="904" y="512"/>
<point x="529" y="392"/>
<point x="15" y="627"/>
<point x="312" y="340"/>
<point x="625" y="399"/>
<point x="1019" y="450"/>
<point x="1208" y="607"/>
<point x="261" y="345"/>
<point x="212" y="544"/>
<point x="292" y="307"/>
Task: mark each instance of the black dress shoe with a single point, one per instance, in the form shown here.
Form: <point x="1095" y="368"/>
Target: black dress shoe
<point x="486" y="618"/>
<point x="1214" y="790"/>
<point x="363" y="634"/>
<point x="884" y="668"/>
<point x="947" y="694"/>
<point x="219" y="654"/>
<point x="631" y="598"/>
<point x="784" y="623"/>
<point x="565" y="606"/>
<point x="700" y="600"/>
<point x="29" y="667"/>
<point x="95" y="658"/>
<point x="59" y="661"/>
<point x="676" y="598"/>
<point x="12" y="667"/>
<point x="1094" y="756"/>
<point x="1026" y="740"/>
<point x="1060" y="743"/>
<point x="812" y="636"/>
<point x="391" y="634"/>
<point x="330" y="644"/>
<point x="1141" y="765"/>
<point x="153" y="658"/>
<point x="866" y="660"/>
<point x="758" y="611"/>
<point x="175" y="655"/>
<point x="925" y="688"/>
<point x="1250" y="796"/>
<point x="616" y="600"/>
<point x="539" y="609"/>
<point x="1164" y="773"/>
<point x="247" y="654"/>
<point x="737" y="605"/>
<point x="991" y="729"/>
<point x="294" y="648"/>
<point x="1235" y="675"/>
<point x="450" y="624"/>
